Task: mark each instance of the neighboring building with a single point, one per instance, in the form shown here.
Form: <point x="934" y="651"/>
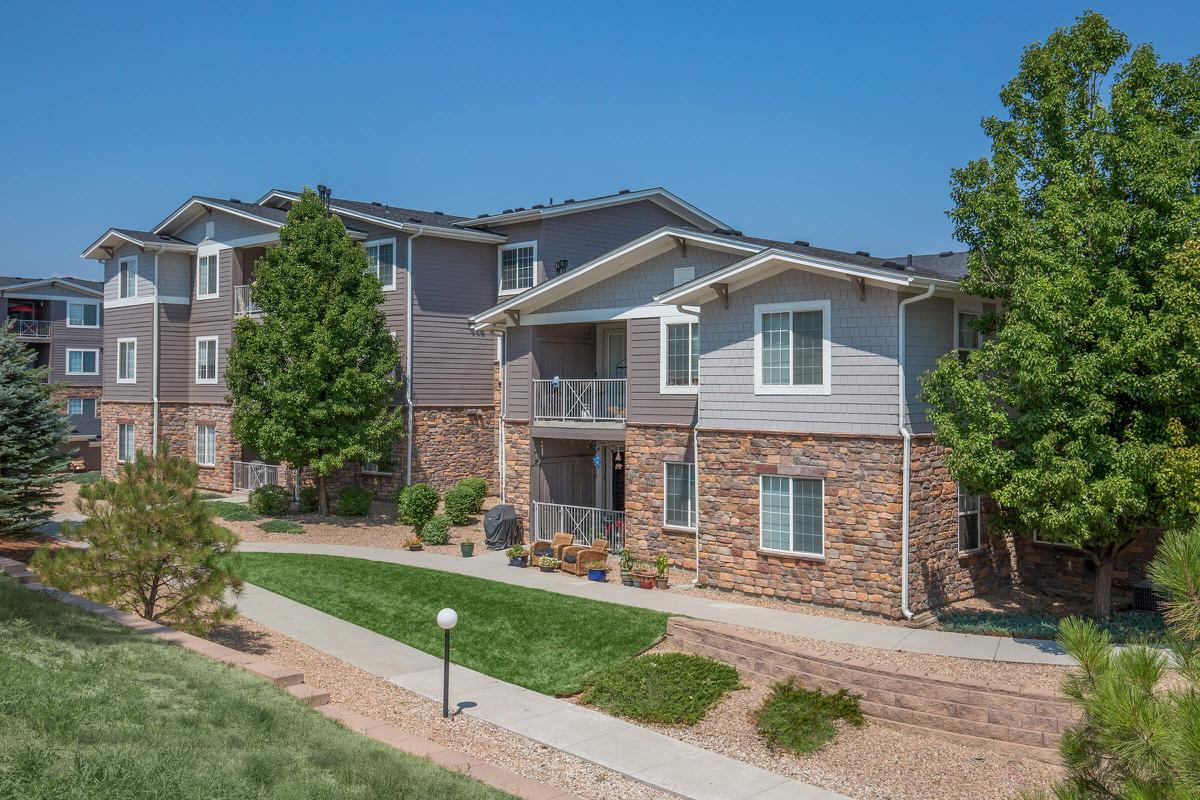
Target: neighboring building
<point x="62" y="319"/>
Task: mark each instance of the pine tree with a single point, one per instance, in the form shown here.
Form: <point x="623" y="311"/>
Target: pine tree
<point x="1086" y="381"/>
<point x="154" y="547"/>
<point x="31" y="431"/>
<point x="313" y="380"/>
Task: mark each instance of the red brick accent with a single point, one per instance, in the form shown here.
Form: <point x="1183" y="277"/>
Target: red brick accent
<point x="1025" y="722"/>
<point x="646" y="450"/>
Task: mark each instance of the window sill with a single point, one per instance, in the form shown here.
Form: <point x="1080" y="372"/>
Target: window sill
<point x="202" y="383"/>
<point x="819" y="391"/>
<point x="208" y="297"/>
<point x="371" y="474"/>
<point x="764" y="551"/>
<point x="678" y="528"/>
<point x="84" y="327"/>
<point x="513" y="292"/>
<point x="121" y="382"/>
<point x="966" y="555"/>
<point x="662" y="389"/>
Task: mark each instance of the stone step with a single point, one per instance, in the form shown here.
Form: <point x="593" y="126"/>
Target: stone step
<point x="309" y="695"/>
<point x="281" y="677"/>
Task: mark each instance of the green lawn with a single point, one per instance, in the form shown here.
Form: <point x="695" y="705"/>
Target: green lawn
<point x="663" y="687"/>
<point x="93" y="711"/>
<point x="547" y="642"/>
<point x="233" y="512"/>
<point x="281" y="526"/>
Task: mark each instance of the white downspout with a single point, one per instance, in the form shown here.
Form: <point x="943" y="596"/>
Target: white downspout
<point x="503" y="413"/>
<point x="408" y="354"/>
<point x="907" y="469"/>
<point x="696" y="481"/>
<point x="154" y="358"/>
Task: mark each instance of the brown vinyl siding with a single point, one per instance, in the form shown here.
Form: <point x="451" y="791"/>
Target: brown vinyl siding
<point x="126" y="323"/>
<point x="62" y="337"/>
<point x="175" y="352"/>
<point x="646" y="404"/>
<point x="519" y="373"/>
<point x="212" y="317"/>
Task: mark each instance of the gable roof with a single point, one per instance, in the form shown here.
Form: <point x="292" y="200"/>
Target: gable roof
<point x="656" y="194"/>
<point x="272" y="217"/>
<point x="83" y="285"/>
<point x="115" y="237"/>
<point x="436" y="223"/>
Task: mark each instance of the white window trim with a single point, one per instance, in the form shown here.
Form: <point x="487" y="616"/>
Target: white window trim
<point x="216" y="360"/>
<point x="81" y="401"/>
<point x="82" y="303"/>
<point x="212" y="463"/>
<point x="976" y="312"/>
<point x="501" y="291"/>
<point x="67" y="355"/>
<point x="1047" y="543"/>
<point x="977" y="513"/>
<point x="120" y="440"/>
<point x="825" y="387"/>
<point x="133" y="341"/>
<point x="215" y="254"/>
<point x="695" y="498"/>
<point x="794" y="553"/>
<point x="387" y="287"/>
<point x="663" y="387"/>
<point x="133" y="274"/>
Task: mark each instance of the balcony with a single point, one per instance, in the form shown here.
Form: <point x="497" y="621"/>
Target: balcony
<point x="31" y="328"/>
<point x="243" y="306"/>
<point x="584" y="523"/>
<point x="248" y="476"/>
<point x="579" y="400"/>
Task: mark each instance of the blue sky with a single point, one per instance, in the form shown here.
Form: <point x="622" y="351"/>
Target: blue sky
<point x="829" y="122"/>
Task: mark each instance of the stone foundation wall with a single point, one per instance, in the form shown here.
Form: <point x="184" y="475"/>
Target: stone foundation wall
<point x="177" y="427"/>
<point x="450" y="444"/>
<point x="1067" y="572"/>
<point x="517" y="457"/>
<point x="140" y="415"/>
<point x="59" y="396"/>
<point x="1025" y="722"/>
<point x="646" y="450"/>
<point x="939" y="573"/>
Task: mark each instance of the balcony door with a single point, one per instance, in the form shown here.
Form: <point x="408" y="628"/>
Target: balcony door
<point x="611" y="357"/>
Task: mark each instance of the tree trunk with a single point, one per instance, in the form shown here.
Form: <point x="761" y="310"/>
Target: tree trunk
<point x="322" y="499"/>
<point x="1102" y="593"/>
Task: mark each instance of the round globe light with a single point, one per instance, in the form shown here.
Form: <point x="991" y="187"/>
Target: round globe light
<point x="447" y="618"/>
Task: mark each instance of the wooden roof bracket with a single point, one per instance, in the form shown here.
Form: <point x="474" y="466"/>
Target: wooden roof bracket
<point x="861" y="283"/>
<point x="681" y="243"/>
<point x="514" y="317"/>
<point x="722" y="290"/>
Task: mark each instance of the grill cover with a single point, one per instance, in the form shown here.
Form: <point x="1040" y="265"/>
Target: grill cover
<point x="501" y="527"/>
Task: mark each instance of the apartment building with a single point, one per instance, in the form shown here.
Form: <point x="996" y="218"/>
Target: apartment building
<point x="61" y="319"/>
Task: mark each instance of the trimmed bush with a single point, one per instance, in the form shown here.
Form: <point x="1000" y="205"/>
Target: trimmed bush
<point x="477" y="489"/>
<point x="460" y="504"/>
<point x="801" y="720"/>
<point x="663" y="687"/>
<point x="353" y="502"/>
<point x="417" y="504"/>
<point x="436" y="530"/>
<point x="270" y="501"/>
<point x="309" y="501"/>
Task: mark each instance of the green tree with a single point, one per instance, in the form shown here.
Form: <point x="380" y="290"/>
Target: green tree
<point x="31" y="431"/>
<point x="312" y="382"/>
<point x="1139" y="734"/>
<point x="154" y="548"/>
<point x="1076" y="226"/>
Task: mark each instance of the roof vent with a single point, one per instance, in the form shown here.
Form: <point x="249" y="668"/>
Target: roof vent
<point x="481" y="216"/>
<point x="569" y="200"/>
<point x="414" y="219"/>
<point x="538" y="205"/>
<point x="522" y="208"/>
<point x="622" y="191"/>
<point x="439" y="213"/>
<point x="945" y="253"/>
<point x="862" y="253"/>
<point x="801" y="242"/>
<point x="507" y="211"/>
<point x="908" y="262"/>
<point x="377" y="203"/>
<point x="234" y="200"/>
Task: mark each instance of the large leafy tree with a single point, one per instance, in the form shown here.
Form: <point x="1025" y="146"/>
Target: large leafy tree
<point x="31" y="430"/>
<point x="1076" y="224"/>
<point x="312" y="382"/>
<point x="153" y="547"/>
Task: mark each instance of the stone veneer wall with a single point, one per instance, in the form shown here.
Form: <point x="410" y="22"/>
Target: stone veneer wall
<point x="59" y="396"/>
<point x="517" y="458"/>
<point x="88" y="452"/>
<point x="862" y="474"/>
<point x="647" y="448"/>
<point x="1025" y="722"/>
<point x="177" y="427"/>
<point x="939" y="573"/>
<point x="450" y="444"/>
<point x="140" y="415"/>
<point x="1067" y="572"/>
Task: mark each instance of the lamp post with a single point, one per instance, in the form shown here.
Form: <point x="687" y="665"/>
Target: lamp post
<point x="447" y="618"/>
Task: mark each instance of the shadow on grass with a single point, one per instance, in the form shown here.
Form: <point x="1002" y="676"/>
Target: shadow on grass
<point x="253" y="642"/>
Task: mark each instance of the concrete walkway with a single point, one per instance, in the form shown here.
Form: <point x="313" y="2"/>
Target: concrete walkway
<point x="653" y="759"/>
<point x="494" y="566"/>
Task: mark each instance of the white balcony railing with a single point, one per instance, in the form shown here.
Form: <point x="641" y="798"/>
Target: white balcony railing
<point x="243" y="306"/>
<point x="584" y="523"/>
<point x="579" y="399"/>
<point x="32" y="328"/>
<point x="248" y="476"/>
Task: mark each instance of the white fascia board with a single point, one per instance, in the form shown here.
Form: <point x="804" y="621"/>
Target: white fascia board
<point x="553" y="289"/>
<point x="103" y="241"/>
<point x="21" y="287"/>
<point x="196" y="201"/>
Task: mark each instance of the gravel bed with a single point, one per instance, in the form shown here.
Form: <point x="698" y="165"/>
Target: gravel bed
<point x="872" y="762"/>
<point x="373" y="696"/>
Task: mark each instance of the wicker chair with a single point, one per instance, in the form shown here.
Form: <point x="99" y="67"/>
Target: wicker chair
<point x="575" y="559"/>
<point x="551" y="547"/>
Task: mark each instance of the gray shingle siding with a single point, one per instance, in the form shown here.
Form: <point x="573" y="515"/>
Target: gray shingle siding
<point x="226" y="227"/>
<point x="929" y="334"/>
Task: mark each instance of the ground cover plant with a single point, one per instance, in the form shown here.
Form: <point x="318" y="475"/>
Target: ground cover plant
<point x="83" y="478"/>
<point x="547" y="642"/>
<point x="281" y="526"/>
<point x="1126" y="626"/>
<point x="93" y="711"/>
<point x="662" y="687"/>
<point x="801" y="720"/>
<point x="233" y="512"/>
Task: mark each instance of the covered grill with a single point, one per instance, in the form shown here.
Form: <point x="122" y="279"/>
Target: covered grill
<point x="501" y="527"/>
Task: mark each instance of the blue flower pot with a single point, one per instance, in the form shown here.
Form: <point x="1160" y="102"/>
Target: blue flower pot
<point x="519" y="561"/>
<point x="600" y="575"/>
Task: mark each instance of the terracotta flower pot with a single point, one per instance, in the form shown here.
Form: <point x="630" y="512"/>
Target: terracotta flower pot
<point x="647" y="583"/>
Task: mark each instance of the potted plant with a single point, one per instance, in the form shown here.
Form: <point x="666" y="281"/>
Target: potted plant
<point x="517" y="557"/>
<point x="548" y="563"/>
<point x="661" y="563"/>
<point x="467" y="549"/>
<point x="597" y="571"/>
<point x="414" y="543"/>
<point x="644" y="575"/>
<point x="626" y="567"/>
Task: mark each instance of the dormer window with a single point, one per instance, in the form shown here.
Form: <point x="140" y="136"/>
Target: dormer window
<point x="517" y="267"/>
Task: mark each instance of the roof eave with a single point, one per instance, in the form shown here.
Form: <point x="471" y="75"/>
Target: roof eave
<point x="656" y="194"/>
<point x="17" y="287"/>
<point x="211" y="204"/>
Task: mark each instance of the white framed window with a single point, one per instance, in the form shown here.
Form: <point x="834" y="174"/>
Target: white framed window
<point x="126" y="360"/>
<point x="385" y="466"/>
<point x="81" y="406"/>
<point x="966" y="338"/>
<point x="679" y="355"/>
<point x="125" y="442"/>
<point x="206" y="359"/>
<point x="382" y="255"/>
<point x="127" y="277"/>
<point x="792" y="348"/>
<point x="83" y="362"/>
<point x="682" y="275"/>
<point x="517" y="267"/>
<point x="969" y="524"/>
<point x="208" y="276"/>
<point x="83" y="315"/>
<point x="206" y="445"/>
<point x="679" y="495"/>
<point x="792" y="515"/>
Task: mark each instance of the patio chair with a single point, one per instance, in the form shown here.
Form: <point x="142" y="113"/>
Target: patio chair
<point x="575" y="559"/>
<point x="549" y="547"/>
